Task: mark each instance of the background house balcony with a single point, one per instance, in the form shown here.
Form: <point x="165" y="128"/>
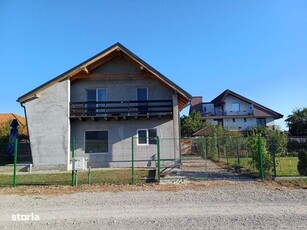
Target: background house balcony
<point x="239" y="113"/>
<point x="229" y="113"/>
<point x="123" y="109"/>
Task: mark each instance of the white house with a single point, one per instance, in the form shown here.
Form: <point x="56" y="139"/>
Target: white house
<point x="234" y="112"/>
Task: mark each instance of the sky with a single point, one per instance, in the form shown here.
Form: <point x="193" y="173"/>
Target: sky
<point x="257" y="49"/>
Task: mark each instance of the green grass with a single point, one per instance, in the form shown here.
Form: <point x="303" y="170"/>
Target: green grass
<point x="286" y="166"/>
<point x="109" y="176"/>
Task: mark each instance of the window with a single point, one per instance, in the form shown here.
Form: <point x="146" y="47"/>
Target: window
<point x="244" y="119"/>
<point x="96" y="142"/>
<point x="233" y="120"/>
<point x="152" y="134"/>
<point x="96" y="95"/>
<point x="147" y="136"/>
<point x="142" y="137"/>
<point x="261" y="122"/>
<point x="235" y="107"/>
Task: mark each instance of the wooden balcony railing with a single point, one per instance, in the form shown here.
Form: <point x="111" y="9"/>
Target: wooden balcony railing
<point x="120" y="108"/>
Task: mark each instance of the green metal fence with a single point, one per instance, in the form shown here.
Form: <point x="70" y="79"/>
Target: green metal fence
<point x="160" y="159"/>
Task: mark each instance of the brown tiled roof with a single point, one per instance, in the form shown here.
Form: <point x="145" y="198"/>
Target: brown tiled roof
<point x="8" y="117"/>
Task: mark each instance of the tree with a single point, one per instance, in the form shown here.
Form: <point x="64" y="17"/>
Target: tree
<point x="277" y="139"/>
<point x="297" y="122"/>
<point x="190" y="124"/>
<point x="5" y="130"/>
<point x="273" y="141"/>
<point x="253" y="147"/>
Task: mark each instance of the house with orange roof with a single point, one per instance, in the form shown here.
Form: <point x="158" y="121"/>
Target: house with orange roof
<point x="6" y="118"/>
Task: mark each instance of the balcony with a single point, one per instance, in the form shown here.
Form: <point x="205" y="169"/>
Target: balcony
<point x="230" y="114"/>
<point x="120" y="109"/>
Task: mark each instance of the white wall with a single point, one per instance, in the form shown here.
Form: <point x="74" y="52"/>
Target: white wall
<point x="239" y="123"/>
<point x="245" y="108"/>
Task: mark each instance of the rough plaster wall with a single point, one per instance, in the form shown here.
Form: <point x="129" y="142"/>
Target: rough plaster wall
<point x="117" y="66"/>
<point x="121" y="88"/>
<point x="120" y="133"/>
<point x="48" y="122"/>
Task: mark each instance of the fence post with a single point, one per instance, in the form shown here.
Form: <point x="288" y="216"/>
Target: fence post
<point x="205" y="158"/>
<point x="73" y="142"/>
<point x="274" y="159"/>
<point x="89" y="175"/>
<point x="260" y="156"/>
<point x="158" y="155"/>
<point x="226" y="154"/>
<point x="238" y="153"/>
<point x="15" y="161"/>
<point x="132" y="160"/>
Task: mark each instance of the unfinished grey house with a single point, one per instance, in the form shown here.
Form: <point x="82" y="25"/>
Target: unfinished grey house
<point x="101" y="103"/>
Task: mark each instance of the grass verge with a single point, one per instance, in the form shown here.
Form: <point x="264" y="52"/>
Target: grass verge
<point x="293" y="182"/>
<point x="110" y="176"/>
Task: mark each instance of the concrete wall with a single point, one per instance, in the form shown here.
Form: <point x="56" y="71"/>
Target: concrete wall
<point x="117" y="66"/>
<point x="118" y="88"/>
<point x="121" y="88"/>
<point x="120" y="132"/>
<point x="120" y="142"/>
<point x="49" y="126"/>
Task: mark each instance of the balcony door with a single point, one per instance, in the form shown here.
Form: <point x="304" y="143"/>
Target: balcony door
<point x="93" y="97"/>
<point x="142" y="95"/>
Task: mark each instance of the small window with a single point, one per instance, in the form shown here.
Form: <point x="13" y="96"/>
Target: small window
<point x="96" y="142"/>
<point x="147" y="136"/>
<point x="261" y="122"/>
<point x="142" y="137"/>
<point x="233" y="120"/>
<point x="235" y="107"/>
<point x="244" y="119"/>
<point x="152" y="134"/>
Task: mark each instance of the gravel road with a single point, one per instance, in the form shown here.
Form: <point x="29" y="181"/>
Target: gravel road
<point x="245" y="204"/>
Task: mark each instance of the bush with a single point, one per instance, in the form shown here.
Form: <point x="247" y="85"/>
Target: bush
<point x="302" y="162"/>
<point x="267" y="160"/>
